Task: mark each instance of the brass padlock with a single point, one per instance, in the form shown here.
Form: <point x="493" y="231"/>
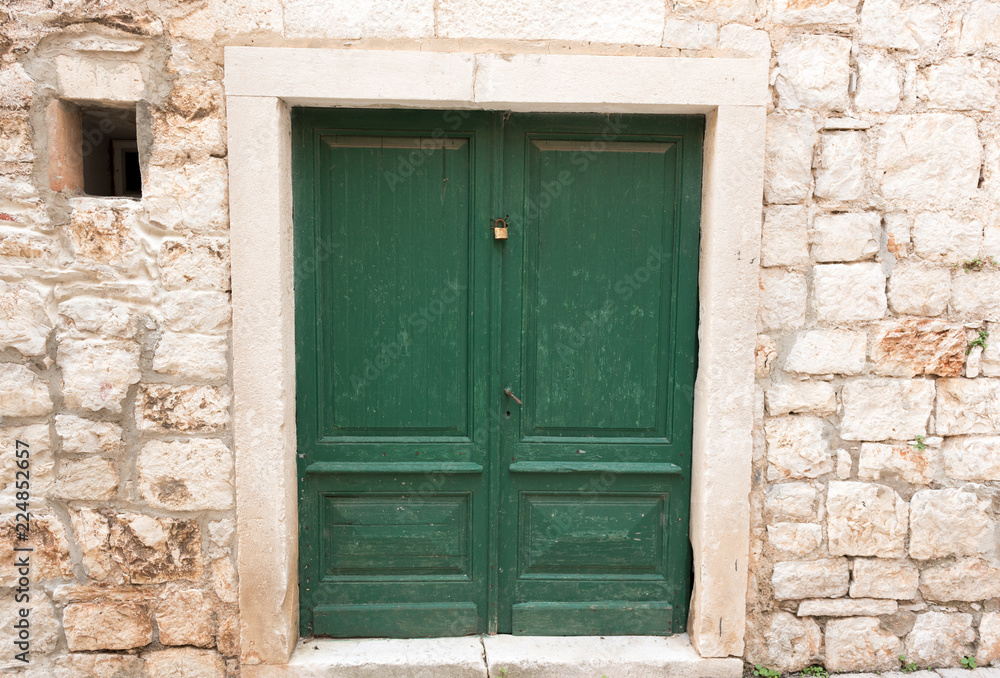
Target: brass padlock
<point x="500" y="229"/>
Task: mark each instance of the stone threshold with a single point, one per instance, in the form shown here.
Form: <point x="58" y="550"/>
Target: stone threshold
<point x="500" y="657"/>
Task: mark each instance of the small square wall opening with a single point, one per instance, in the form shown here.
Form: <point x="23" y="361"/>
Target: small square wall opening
<point x="110" y="151"/>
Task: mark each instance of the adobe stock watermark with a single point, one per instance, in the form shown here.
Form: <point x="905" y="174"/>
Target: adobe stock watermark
<point x="22" y="551"/>
<point x="407" y="164"/>
<point x="624" y="288"/>
<point x="416" y="324"/>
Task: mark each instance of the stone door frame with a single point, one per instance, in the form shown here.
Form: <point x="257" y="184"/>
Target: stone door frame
<point x="262" y="83"/>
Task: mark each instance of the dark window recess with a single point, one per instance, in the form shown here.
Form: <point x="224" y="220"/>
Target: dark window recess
<point x="110" y="152"/>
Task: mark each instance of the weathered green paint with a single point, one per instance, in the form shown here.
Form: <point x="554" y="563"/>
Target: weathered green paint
<point x="431" y="503"/>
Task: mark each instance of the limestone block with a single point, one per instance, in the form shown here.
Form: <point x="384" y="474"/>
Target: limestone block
<point x="689" y="34"/>
<point x="972" y="458"/>
<point x="864" y="519"/>
<point x="991" y="185"/>
<point x="930" y="157"/>
<point x="785" y="236"/>
<point x="976" y="295"/>
<point x="104" y="317"/>
<point x="44" y="629"/>
<point x="15" y="87"/>
<point x="228" y="640"/>
<point x="83" y="436"/>
<point x="834" y="12"/>
<point x="188" y="310"/>
<point x="83" y="76"/>
<point x="153" y="550"/>
<point x="184" y="617"/>
<point x="25" y="323"/>
<point x="941" y="237"/>
<point x="15" y="138"/>
<point x="22" y="393"/>
<point x="197" y="357"/>
<point x="949" y="522"/>
<point x="221" y="533"/>
<point x="50" y="558"/>
<point x="783" y="299"/>
<point x="846" y="607"/>
<point x="765" y="353"/>
<point x="96" y="374"/>
<point x="827" y="352"/>
<point x="959" y="84"/>
<point x="801" y="397"/>
<point x="92" y="532"/>
<point x="106" y="231"/>
<point x="940" y="639"/>
<point x="886" y="409"/>
<point x="991" y="354"/>
<point x="107" y="625"/>
<point x="20" y="201"/>
<point x="91" y="665"/>
<point x="787" y="644"/>
<point x="897" y="234"/>
<point x="826" y="578"/>
<point x="980" y="27"/>
<point x="745" y="41"/>
<point x="844" y="464"/>
<point x="841" y="166"/>
<point x="893" y="25"/>
<point x="619" y="22"/>
<point x="797" y="539"/>
<point x="845" y="237"/>
<point x="918" y="289"/>
<point x="879" y="578"/>
<point x="190" y="198"/>
<point x="22" y="245"/>
<point x="989" y="639"/>
<point x="191" y="475"/>
<point x="41" y="460"/>
<point x="90" y="478"/>
<point x="966" y="579"/>
<point x="912" y="347"/>
<point x="813" y="72"/>
<point x="903" y="460"/>
<point x="791" y="501"/>
<point x="224" y="580"/>
<point x="166" y="408"/>
<point x="185" y="136"/>
<point x="184" y="662"/>
<point x="797" y="447"/>
<point x="788" y="153"/>
<point x="880" y="83"/>
<point x="859" y="644"/>
<point x="198" y="262"/>
<point x="844" y="293"/>
<point x="968" y="406"/>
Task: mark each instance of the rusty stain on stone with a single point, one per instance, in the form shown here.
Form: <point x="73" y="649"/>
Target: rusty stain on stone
<point x="921" y="346"/>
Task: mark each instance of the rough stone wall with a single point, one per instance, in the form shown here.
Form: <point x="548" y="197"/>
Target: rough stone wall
<point x="881" y="197"/>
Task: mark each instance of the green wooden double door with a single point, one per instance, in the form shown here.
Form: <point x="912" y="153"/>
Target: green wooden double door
<point x="494" y="435"/>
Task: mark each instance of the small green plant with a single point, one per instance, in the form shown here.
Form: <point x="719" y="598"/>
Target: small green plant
<point x="815" y="670"/>
<point x="905" y="666"/>
<point x="979" y="341"/>
<point x="978" y="264"/>
<point x="920" y="444"/>
<point x="968" y="663"/>
<point x="503" y="671"/>
<point x="764" y="672"/>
